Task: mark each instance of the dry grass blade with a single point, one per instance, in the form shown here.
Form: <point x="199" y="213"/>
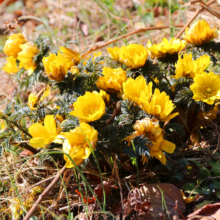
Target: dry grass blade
<point x="41" y="197"/>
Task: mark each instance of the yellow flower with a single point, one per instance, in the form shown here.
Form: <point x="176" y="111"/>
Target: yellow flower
<point x="166" y="47"/>
<point x="89" y="107"/>
<point x="206" y="88"/>
<point x="72" y="57"/>
<point x="33" y="99"/>
<point x="2" y="125"/>
<point x="114" y="53"/>
<point x="112" y="80"/>
<point x="187" y="199"/>
<point x="74" y="70"/>
<point x="105" y="96"/>
<point x="150" y="128"/>
<point x="160" y="105"/>
<point x="187" y="67"/>
<point x="132" y="89"/>
<point x="26" y="57"/>
<point x="55" y="66"/>
<point x="76" y="144"/>
<point x="11" y="65"/>
<point x="12" y="45"/>
<point x="133" y="56"/>
<point x="44" y="135"/>
<point x="200" y="33"/>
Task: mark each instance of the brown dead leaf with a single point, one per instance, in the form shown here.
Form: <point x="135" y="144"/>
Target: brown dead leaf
<point x="152" y="194"/>
<point x="207" y="212"/>
<point x="108" y="189"/>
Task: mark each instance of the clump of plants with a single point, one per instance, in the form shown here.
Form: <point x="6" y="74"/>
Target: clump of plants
<point x="136" y="106"/>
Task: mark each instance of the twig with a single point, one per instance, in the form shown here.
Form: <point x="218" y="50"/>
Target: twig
<point x="192" y="19"/>
<point x="67" y="181"/>
<point x="28" y="147"/>
<point x="96" y="47"/>
<point x="40" y="198"/>
<point x="20" y="128"/>
<point x="42" y="181"/>
<point x="177" y="208"/>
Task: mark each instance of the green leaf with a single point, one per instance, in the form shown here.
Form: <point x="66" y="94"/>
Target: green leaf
<point x="217" y="185"/>
<point x="69" y="123"/>
<point x="183" y="96"/>
<point x="215" y="167"/>
<point x="188" y="187"/>
<point x="141" y="147"/>
<point x="21" y="113"/>
<point x="203" y="170"/>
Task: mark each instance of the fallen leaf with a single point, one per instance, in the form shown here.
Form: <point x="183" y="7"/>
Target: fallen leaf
<point x="108" y="189"/>
<point x="171" y="195"/>
<point x="211" y="211"/>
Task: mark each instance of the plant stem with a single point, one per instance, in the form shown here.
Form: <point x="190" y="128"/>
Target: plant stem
<point x="104" y="202"/>
<point x="30" y="148"/>
<point x="20" y="128"/>
<point x="136" y="164"/>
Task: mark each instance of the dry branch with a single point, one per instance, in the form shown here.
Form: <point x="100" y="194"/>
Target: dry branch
<point x="96" y="47"/>
<point x="40" y="198"/>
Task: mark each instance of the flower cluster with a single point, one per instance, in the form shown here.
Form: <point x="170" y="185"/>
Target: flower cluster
<point x="94" y="102"/>
<point x="157" y="104"/>
<point x="17" y="48"/>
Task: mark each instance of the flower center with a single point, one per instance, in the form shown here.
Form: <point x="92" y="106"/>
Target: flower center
<point x="208" y="90"/>
<point x="90" y="110"/>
